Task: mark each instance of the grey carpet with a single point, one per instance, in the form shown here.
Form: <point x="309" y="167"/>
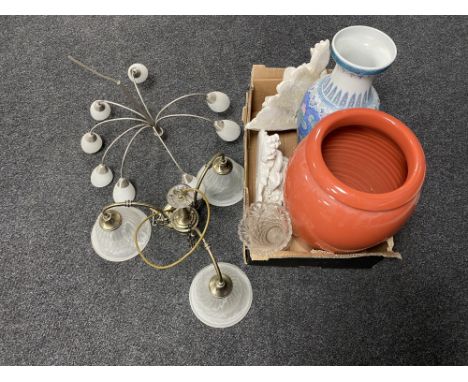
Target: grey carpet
<point x="62" y="304"/>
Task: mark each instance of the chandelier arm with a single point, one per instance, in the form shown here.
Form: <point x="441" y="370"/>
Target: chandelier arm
<point x="176" y="100"/>
<point x="187" y="254"/>
<point x="170" y="154"/>
<point x="92" y="70"/>
<point x="115" y="120"/>
<point x="141" y="99"/>
<point x="183" y="115"/>
<point x="126" y="108"/>
<point x="116" y="82"/>
<point x="128" y="148"/>
<point x="136" y="104"/>
<point x="156" y="212"/>
<point x="118" y="138"/>
<point x="212" y="257"/>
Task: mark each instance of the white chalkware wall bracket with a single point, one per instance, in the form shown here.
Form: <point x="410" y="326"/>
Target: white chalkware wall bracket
<point x="220" y="294"/>
<point x="278" y="112"/>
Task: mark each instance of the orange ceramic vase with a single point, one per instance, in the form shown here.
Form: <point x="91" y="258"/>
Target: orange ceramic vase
<point x="354" y="180"/>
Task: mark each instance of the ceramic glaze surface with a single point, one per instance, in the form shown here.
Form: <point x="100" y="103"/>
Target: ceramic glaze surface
<point x="360" y="54"/>
<point x="354" y="181"/>
<point x="364" y="159"/>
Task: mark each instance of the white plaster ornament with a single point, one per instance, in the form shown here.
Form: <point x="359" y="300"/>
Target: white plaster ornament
<point x="279" y="111"/>
<point x="271" y="169"/>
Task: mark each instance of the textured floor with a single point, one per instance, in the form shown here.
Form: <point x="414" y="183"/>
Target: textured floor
<point x="61" y="304"/>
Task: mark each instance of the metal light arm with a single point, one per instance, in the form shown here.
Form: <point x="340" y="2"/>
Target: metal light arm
<point x="119" y="84"/>
<point x="116" y="120"/>
<point x="182" y="115"/>
<point x="118" y="138"/>
<point x="176" y="100"/>
<point x="111" y="219"/>
<point x="220" y="285"/>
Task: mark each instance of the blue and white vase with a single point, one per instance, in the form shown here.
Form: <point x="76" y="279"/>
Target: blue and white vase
<point x="360" y="53"/>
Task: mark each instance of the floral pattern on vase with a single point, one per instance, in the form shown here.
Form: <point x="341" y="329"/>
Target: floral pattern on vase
<point x="325" y="97"/>
<point x="361" y="53"/>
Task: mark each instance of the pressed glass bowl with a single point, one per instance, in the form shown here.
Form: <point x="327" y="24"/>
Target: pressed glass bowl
<point x="265" y="228"/>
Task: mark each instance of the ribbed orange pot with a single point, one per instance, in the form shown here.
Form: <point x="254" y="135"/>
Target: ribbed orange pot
<point x="354" y="180"/>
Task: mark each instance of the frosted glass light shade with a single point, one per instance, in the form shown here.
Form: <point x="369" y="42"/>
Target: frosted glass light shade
<point x="218" y="102"/>
<point x="227" y="130"/>
<point x="221" y="312"/>
<point x="101" y="176"/>
<point x="123" y="191"/>
<point x="100" y="110"/>
<point x="142" y="73"/>
<point x="118" y="245"/>
<point x="91" y="143"/>
<point x="224" y="190"/>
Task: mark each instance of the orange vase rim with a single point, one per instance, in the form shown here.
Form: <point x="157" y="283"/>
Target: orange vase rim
<point x="387" y="125"/>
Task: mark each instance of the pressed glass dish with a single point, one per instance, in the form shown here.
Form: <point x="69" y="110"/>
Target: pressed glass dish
<point x="265" y="228"/>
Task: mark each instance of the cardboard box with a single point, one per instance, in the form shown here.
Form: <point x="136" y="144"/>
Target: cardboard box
<point x="263" y="83"/>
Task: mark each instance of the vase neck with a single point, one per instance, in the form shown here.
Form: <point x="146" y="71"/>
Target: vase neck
<point x="350" y="82"/>
<point x="344" y="89"/>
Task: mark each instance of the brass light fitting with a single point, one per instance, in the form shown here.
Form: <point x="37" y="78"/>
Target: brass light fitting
<point x="205" y="294"/>
<point x="110" y="220"/>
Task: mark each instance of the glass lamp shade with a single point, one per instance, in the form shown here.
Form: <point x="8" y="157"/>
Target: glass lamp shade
<point x="139" y="72"/>
<point x="227" y="130"/>
<point x="100" y="110"/>
<point x="225" y="311"/>
<point x="224" y="190"/>
<point x="218" y="102"/>
<point x="123" y="191"/>
<point x="91" y="143"/>
<point x="101" y="176"/>
<point x="118" y="245"/>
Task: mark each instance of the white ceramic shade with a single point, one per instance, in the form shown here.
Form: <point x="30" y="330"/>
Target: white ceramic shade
<point x="123" y="191"/>
<point x="101" y="176"/>
<point x="96" y="113"/>
<point x="227" y="130"/>
<point x="218" y="102"/>
<point x="91" y="143"/>
<point x="143" y="73"/>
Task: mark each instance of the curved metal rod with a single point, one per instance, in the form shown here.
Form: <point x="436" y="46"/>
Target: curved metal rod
<point x="187" y="254"/>
<point x="128" y="148"/>
<point x="183" y="115"/>
<point x="94" y="71"/>
<point x="129" y="203"/>
<point x="117" y="139"/>
<point x="115" y="120"/>
<point x="141" y="97"/>
<point x="117" y="82"/>
<point x="212" y="257"/>
<point x="170" y="154"/>
<point x="124" y="107"/>
<point x="176" y="100"/>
